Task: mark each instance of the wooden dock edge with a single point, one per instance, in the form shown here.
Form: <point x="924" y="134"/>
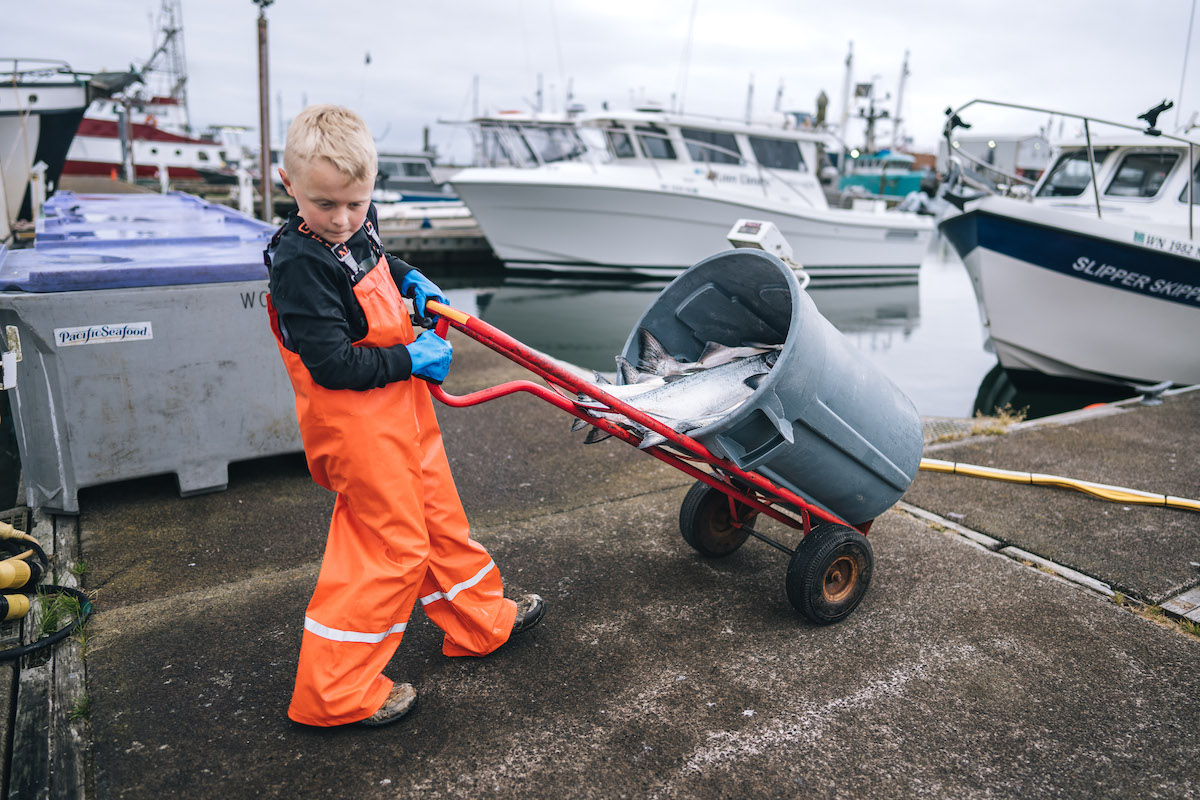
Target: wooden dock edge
<point x="49" y="732"/>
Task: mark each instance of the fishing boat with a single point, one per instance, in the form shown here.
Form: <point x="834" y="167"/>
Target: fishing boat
<point x="884" y="173"/>
<point x="147" y="129"/>
<point x="150" y="139"/>
<point x="41" y="104"/>
<point x="649" y="193"/>
<point x="1093" y="273"/>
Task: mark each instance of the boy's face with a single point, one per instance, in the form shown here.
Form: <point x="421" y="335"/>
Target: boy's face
<point x="333" y="206"/>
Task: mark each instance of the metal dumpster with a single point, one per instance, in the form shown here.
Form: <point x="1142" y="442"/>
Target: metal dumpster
<point x="144" y="346"/>
<point x="826" y="423"/>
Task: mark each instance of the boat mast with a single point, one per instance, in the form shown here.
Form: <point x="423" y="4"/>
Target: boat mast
<point x="1183" y="72"/>
<point x="168" y="64"/>
<point x="896" y="118"/>
<point x="846" y="90"/>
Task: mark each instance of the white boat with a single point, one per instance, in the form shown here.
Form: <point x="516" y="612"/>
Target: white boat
<point x="650" y="193"/>
<point x="409" y="178"/>
<point x="41" y="104"/>
<point x="1094" y="273"/>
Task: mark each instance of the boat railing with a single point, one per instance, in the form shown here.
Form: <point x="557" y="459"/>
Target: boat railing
<point x="954" y="120"/>
<point x="26" y="68"/>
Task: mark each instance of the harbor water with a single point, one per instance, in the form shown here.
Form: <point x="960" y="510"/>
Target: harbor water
<point x="925" y="336"/>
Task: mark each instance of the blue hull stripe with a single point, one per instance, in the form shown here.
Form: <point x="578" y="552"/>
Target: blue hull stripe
<point x="1140" y="270"/>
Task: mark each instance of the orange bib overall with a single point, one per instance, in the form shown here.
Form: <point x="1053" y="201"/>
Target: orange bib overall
<point x="398" y="531"/>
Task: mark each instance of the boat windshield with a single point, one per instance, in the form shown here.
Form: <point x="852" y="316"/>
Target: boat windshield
<point x="529" y="145"/>
<point x="715" y="147"/>
<point x="405" y="169"/>
<point x="655" y="143"/>
<point x="778" y="153"/>
<point x="1072" y="174"/>
<point x="551" y="144"/>
<point x="501" y="145"/>
<point x="1141" y="174"/>
<point x="620" y="144"/>
<point x="1193" y="187"/>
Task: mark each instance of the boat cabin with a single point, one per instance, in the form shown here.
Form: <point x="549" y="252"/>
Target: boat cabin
<point x="1135" y="176"/>
<point x="638" y="137"/>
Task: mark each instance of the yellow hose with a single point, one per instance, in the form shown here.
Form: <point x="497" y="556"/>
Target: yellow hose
<point x="9" y="532"/>
<point x="1114" y="494"/>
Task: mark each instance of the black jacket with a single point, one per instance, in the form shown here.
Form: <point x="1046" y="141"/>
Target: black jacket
<point x="319" y="315"/>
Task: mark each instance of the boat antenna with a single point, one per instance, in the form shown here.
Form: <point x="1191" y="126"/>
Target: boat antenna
<point x="750" y="100"/>
<point x="1183" y="72"/>
<point x="779" y="95"/>
<point x="562" y="72"/>
<point x="897" y="118"/>
<point x="846" y="89"/>
<point x="685" y="59"/>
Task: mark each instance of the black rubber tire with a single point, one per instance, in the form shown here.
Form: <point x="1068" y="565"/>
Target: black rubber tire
<point x="704" y="521"/>
<point x="829" y="573"/>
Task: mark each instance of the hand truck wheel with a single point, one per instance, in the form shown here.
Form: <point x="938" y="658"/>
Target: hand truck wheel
<point x="829" y="573"/>
<point x="709" y="524"/>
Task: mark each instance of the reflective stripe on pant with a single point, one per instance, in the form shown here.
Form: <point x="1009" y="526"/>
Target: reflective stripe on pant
<point x="398" y="531"/>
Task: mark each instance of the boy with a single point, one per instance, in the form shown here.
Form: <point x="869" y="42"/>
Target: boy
<point x="398" y="531"/>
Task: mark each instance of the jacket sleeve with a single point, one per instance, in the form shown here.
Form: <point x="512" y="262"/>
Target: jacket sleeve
<point x="312" y="297"/>
<point x="399" y="268"/>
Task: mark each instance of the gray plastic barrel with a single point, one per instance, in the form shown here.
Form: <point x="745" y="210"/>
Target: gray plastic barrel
<point x="826" y="422"/>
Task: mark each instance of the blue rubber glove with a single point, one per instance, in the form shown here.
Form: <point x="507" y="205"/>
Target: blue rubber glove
<point x="430" y="356"/>
<point x="421" y="290"/>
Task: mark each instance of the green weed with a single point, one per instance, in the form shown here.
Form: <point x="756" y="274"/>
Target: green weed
<point x="83" y="707"/>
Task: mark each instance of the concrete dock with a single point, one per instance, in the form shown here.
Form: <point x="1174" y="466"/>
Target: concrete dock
<point x="969" y="670"/>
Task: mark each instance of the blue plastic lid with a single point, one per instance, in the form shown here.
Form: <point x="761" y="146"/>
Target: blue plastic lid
<point x="117" y="241"/>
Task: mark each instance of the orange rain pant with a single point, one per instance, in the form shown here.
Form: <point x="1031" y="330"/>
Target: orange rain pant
<point x="398" y="531"/>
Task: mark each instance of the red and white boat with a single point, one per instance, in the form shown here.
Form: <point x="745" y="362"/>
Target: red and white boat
<point x="154" y="144"/>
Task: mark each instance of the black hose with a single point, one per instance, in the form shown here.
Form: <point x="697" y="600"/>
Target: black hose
<point x="18" y="546"/>
<point x="85" y="610"/>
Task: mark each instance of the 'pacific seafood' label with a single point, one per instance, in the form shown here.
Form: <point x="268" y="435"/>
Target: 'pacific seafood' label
<point x="103" y="334"/>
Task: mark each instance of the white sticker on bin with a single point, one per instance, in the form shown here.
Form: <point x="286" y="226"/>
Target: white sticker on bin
<point x="103" y="334"/>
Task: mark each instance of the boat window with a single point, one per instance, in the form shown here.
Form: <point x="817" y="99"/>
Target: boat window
<point x="501" y="145"/>
<point x="1195" y="187"/>
<point x="553" y="144"/>
<point x="1141" y="174"/>
<point x="1071" y="175"/>
<point x="201" y="155"/>
<point x="655" y="143"/>
<point x="415" y="169"/>
<point x="778" y="153"/>
<point x="621" y="144"/>
<point x="593" y="143"/>
<point x="714" y="147"/>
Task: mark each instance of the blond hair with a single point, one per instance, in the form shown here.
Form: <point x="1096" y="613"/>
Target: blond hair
<point x="335" y="134"/>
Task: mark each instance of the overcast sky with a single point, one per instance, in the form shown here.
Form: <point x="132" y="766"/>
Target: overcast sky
<point x="1109" y="58"/>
